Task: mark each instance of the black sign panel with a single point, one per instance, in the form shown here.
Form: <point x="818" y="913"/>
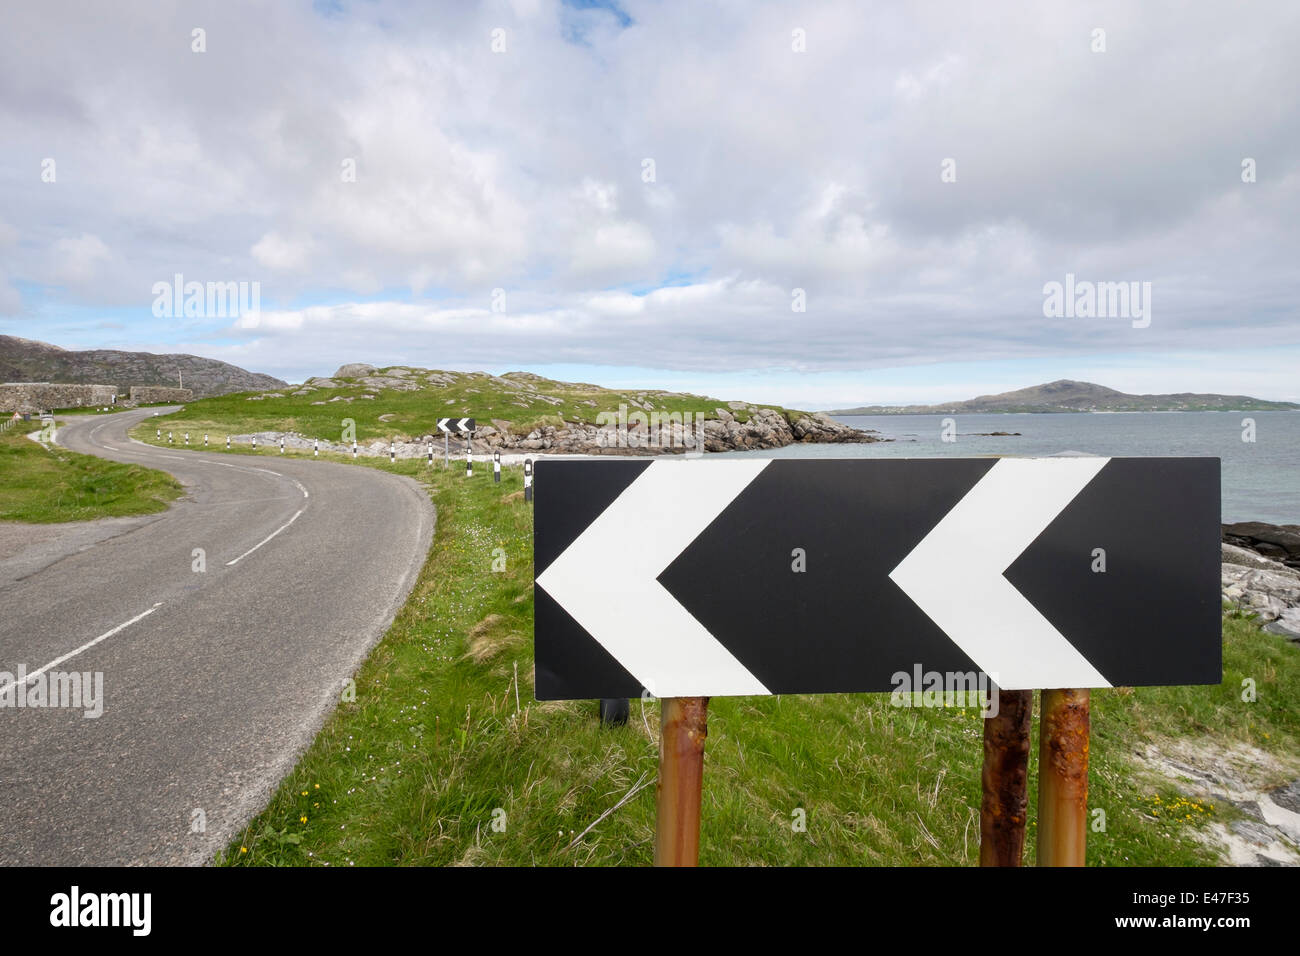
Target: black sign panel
<point x="775" y="576"/>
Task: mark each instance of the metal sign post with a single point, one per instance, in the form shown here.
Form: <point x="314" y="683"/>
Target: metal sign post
<point x="1005" y="779"/>
<point x="1063" y="731"/>
<point x="683" y="727"/>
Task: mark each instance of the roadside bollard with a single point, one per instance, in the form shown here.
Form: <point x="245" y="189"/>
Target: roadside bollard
<point x="614" y="711"/>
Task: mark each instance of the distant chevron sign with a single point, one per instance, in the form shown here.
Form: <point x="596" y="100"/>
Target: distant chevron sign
<point x="450" y="425"/>
<point x="781" y="576"/>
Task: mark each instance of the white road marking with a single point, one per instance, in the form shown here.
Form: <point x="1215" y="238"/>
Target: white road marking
<point x="84" y="647"/>
<point x="266" y="539"/>
<point x="248" y="470"/>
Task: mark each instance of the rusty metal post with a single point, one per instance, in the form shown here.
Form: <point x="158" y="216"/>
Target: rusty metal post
<point x="1005" y="779"/>
<point x="683" y="727"/>
<point x="1063" y="778"/>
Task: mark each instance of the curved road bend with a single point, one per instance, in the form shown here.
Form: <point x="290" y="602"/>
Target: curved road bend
<point x="213" y="682"/>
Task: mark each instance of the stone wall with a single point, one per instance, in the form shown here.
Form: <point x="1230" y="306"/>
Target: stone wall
<point x="32" y="397"/>
<point x="152" y="394"/>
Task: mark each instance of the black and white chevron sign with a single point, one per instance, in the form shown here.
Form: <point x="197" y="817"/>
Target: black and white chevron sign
<point x="461" y="425"/>
<point x="778" y="576"/>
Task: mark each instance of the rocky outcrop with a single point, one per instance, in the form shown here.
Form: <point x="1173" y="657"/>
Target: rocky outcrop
<point x="765" y="428"/>
<point x="25" y="360"/>
<point x="1279" y="543"/>
<point x="1261" y="586"/>
<point x="355" y="370"/>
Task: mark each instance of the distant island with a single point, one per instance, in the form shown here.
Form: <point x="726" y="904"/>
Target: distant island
<point x="1069" y="396"/>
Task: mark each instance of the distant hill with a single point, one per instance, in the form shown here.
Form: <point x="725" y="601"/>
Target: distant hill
<point x="24" y="360"/>
<point x="1068" y="396"/>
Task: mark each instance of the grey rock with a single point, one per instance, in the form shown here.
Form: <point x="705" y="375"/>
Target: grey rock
<point x="355" y="370"/>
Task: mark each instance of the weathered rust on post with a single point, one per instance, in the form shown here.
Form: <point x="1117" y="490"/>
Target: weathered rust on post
<point x="1005" y="779"/>
<point x="1063" y="778"/>
<point x="683" y="727"/>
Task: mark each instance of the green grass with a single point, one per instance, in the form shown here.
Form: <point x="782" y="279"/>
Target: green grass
<point x="442" y="741"/>
<point x="47" y="485"/>
<point x="414" y="413"/>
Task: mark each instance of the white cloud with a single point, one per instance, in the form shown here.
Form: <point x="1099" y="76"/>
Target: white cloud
<point x="774" y="170"/>
<point x="281" y="253"/>
<point x="76" y="260"/>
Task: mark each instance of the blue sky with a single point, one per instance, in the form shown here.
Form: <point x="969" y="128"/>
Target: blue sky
<point x="638" y="194"/>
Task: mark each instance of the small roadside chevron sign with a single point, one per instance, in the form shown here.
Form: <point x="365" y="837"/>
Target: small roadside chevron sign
<point x="461" y="425"/>
<point x="779" y="576"/>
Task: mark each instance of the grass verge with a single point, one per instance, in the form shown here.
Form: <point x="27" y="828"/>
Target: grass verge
<point x="46" y="485"/>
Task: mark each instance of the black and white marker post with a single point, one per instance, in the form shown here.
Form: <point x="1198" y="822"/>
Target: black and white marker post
<point x="528" y="479"/>
<point x="496" y="467"/>
<point x="392" y="452"/>
<point x="354" y="449"/>
<point x="227" y="443"/>
<point x="169" y="439"/>
<point x="254" y="443"/>
<point x="469" y="457"/>
<point x="187" y="439"/>
<point x="205" y="439"/>
<point x="158" y="433"/>
<point x="879" y="575"/>
<point x="430" y="452"/>
<point x="281" y="444"/>
<point x="315" y="447"/>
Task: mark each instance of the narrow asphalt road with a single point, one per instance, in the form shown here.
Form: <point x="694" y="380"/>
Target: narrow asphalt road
<point x="214" y="680"/>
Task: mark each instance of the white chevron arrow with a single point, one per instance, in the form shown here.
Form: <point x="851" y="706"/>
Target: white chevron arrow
<point x="606" y="579"/>
<point x="453" y="424"/>
<point x="955" y="575"/>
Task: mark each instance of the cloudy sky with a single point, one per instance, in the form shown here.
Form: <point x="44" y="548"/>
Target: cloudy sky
<point x="632" y="193"/>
